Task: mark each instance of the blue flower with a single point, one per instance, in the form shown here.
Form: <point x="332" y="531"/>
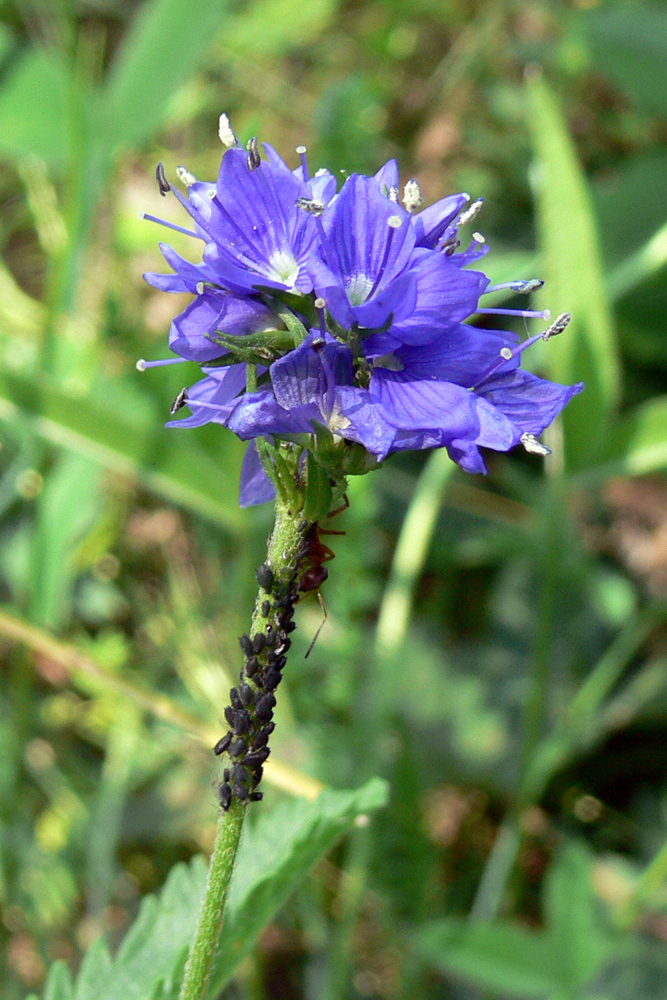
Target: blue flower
<point x="395" y="363"/>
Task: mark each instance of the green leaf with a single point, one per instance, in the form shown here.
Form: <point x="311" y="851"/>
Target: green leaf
<point x="34" y="108"/>
<point x="272" y="27"/>
<point x="576" y="932"/>
<point x="172" y="463"/>
<point x="65" y="508"/>
<point x="497" y="956"/>
<point x="163" y="47"/>
<point x="275" y="855"/>
<point x="59" y="983"/>
<point x="638" y="444"/>
<point x="629" y="43"/>
<point x="571" y="262"/>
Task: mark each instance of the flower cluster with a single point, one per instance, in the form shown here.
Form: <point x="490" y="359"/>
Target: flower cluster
<point x="338" y="320"/>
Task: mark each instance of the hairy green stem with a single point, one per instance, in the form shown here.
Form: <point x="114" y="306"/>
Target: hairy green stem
<point x="285" y="545"/>
<point x="207" y="935"/>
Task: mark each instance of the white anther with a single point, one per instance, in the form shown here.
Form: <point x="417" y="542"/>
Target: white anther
<point x="393" y="194"/>
<point x="319" y="303"/>
<point x="506" y="353"/>
<point x="557" y="326"/>
<point x="471" y="212"/>
<point x="141" y="215"/>
<point x="546" y="314"/>
<point x="199" y="288"/>
<point x="412" y="196"/>
<point x="395" y="221"/>
<point x="140" y="365"/>
<point x="533" y="446"/>
<point x="478" y="238"/>
<point x="321" y="172"/>
<point x="311" y="205"/>
<point x="301" y="150"/>
<point x="185" y="176"/>
<point x="226" y="132"/>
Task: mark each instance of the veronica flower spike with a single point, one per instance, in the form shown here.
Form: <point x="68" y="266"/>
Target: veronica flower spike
<point x="333" y="328"/>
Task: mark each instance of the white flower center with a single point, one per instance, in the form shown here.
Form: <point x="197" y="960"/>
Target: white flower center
<point x="285" y="268"/>
<point x="358" y="289"/>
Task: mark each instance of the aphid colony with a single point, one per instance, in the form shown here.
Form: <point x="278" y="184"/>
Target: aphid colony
<point x="250" y="712"/>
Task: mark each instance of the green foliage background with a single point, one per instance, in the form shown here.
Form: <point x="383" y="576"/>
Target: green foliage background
<point x="495" y="648"/>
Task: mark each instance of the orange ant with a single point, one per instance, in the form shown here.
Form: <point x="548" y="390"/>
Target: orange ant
<point x="316" y="554"/>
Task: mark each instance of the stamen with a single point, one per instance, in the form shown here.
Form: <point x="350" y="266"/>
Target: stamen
<point x="526" y="313"/>
<point x="533" y="446"/>
<point x="169" y="225"/>
<point x="557" y="326"/>
<point x="180" y="400"/>
<point x="471" y="212"/>
<point x="253" y="159"/>
<point x="518" y="287"/>
<point x="478" y="238"/>
<point x="412" y="196"/>
<point x="185" y="177"/>
<point x="393" y="194"/>
<point x="320" y="305"/>
<point x="311" y="205"/>
<point x="330" y="397"/>
<point x="226" y="132"/>
<point x="163" y="184"/>
<point x="301" y="150"/>
<point x="142" y="364"/>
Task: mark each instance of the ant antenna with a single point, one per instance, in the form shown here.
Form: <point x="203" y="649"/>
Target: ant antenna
<point x="317" y="634"/>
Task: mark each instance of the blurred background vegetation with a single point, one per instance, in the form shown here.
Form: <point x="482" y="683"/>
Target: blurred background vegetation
<point x="495" y="647"/>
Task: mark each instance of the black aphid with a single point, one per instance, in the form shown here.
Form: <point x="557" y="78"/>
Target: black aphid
<point x="245" y="643"/>
<point x="225" y="796"/>
<point x="258" y="643"/>
<point x="272" y="679"/>
<point x="235" y="699"/>
<point x="229" y="715"/>
<point x="265" y="704"/>
<point x="266" y="607"/>
<point x="239" y="773"/>
<point x="256" y="796"/>
<point x="240" y="791"/>
<point x="242" y="722"/>
<point x="257" y="757"/>
<point x="245" y="694"/>
<point x="252" y="666"/>
<point x="225" y="774"/>
<point x="265" y="577"/>
<point x="222" y="744"/>
<point x="238" y="747"/>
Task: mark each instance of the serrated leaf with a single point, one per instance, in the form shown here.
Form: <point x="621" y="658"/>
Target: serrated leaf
<point x="166" y="41"/>
<point x="34" y="108"/>
<point x="176" y="467"/>
<point x="576" y="932"/>
<point x="274" y="857"/>
<point x="571" y="261"/>
<point x="497" y="956"/>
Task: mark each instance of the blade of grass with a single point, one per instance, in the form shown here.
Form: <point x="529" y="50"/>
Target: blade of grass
<point x="572" y="265"/>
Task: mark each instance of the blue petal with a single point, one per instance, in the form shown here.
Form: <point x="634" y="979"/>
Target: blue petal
<point x="528" y="402"/>
<point x="440" y="407"/>
<point x="190" y="334"/>
<point x="256" y="487"/>
<point x="259" y="413"/>
<point x="431" y="222"/>
<point x="220" y="389"/>
<point x="445" y="296"/>
<point x="387" y="176"/>
<point x="462" y="354"/>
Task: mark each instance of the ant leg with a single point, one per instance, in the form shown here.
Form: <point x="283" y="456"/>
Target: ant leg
<point x="339" y="510"/>
<point x="317" y="634"/>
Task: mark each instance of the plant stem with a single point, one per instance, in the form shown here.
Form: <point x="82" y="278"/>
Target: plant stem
<point x="202" y="949"/>
<point x="647" y="885"/>
<point x="283" y="557"/>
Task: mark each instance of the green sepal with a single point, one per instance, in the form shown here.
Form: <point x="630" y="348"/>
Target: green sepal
<point x="302" y="304"/>
<point x="318" y="491"/>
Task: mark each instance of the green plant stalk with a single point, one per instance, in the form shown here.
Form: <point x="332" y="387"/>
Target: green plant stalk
<point x="283" y="558"/>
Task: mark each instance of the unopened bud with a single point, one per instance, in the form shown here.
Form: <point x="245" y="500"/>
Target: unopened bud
<point x="226" y="132"/>
<point x="412" y="196"/>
